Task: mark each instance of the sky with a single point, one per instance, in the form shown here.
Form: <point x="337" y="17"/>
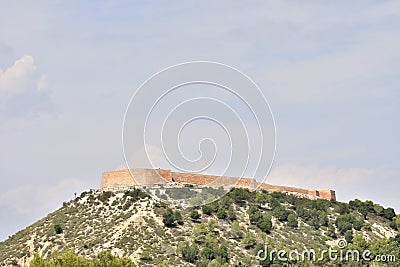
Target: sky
<point x="330" y="72"/>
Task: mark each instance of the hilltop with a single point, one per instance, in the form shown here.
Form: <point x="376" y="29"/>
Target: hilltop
<point x="227" y="232"/>
<point x="154" y="180"/>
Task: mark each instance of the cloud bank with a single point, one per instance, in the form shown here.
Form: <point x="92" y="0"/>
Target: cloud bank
<point x="21" y="77"/>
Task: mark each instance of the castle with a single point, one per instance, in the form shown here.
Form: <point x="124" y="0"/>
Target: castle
<point x="123" y="180"/>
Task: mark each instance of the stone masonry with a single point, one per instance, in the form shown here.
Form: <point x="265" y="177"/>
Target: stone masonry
<point x="154" y="177"/>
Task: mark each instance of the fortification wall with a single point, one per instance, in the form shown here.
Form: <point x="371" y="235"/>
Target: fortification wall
<point x="151" y="177"/>
<point x="191" y="178"/>
<point x="112" y="178"/>
<point x="327" y="194"/>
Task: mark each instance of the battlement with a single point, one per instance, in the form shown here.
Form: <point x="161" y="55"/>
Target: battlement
<point x="152" y="177"/>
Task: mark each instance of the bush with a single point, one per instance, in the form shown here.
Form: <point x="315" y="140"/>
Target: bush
<point x="105" y="196"/>
<point x="195" y="215"/>
<point x="207" y="209"/>
<point x="236" y="230"/>
<point x="281" y="213"/>
<point x="231" y="214"/>
<point x="69" y="258"/>
<point x="249" y="240"/>
<point x="169" y="218"/>
<point x="292" y="220"/>
<point x="358" y="224"/>
<point x="342" y="208"/>
<point x="58" y="229"/>
<point x="178" y="217"/>
<point x="135" y="194"/>
<point x="210" y="208"/>
<point x="239" y="195"/>
<point x="348" y="236"/>
<point x="221" y="213"/>
<point x="331" y="231"/>
<point x="362" y="207"/>
<point x="396" y="220"/>
<point x="260" y="219"/>
<point x="347" y="222"/>
<point x="389" y="213"/>
<point x="188" y="251"/>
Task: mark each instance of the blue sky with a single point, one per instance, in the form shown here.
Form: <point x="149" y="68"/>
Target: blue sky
<point x="329" y="70"/>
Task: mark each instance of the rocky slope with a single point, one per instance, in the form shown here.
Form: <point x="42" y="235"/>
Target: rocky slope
<point x="225" y="233"/>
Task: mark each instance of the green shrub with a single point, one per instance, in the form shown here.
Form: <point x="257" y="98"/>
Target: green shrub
<point x="169" y="218"/>
<point x="281" y="213"/>
<point x="58" y="229"/>
<point x="292" y="220"/>
<point x="389" y="213"/>
<point x="221" y="213"/>
<point x="189" y="252"/>
<point x="231" y="214"/>
<point x="69" y="259"/>
<point x="195" y="215"/>
<point x="260" y="219"/>
<point x="348" y="236"/>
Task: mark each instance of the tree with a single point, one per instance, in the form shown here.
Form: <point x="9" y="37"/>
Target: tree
<point x="262" y="198"/>
<point x="389" y="213"/>
<point x="281" y="213"/>
<point x="169" y="218"/>
<point x="262" y="220"/>
<point x="331" y="230"/>
<point x="239" y="195"/>
<point x="292" y="220"/>
<point x="38" y="261"/>
<point x="378" y="209"/>
<point x="103" y="259"/>
<point x="358" y="224"/>
<point x="106" y="259"/>
<point x="345" y="222"/>
<point x="342" y="208"/>
<point x="396" y="220"/>
<point x="265" y="224"/>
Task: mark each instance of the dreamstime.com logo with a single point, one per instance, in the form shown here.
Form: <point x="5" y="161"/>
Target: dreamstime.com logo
<point x="199" y="118"/>
<point x="339" y="254"/>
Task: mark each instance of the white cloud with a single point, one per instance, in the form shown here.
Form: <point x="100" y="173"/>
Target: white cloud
<point x="21" y="77"/>
<point x="42" y="83"/>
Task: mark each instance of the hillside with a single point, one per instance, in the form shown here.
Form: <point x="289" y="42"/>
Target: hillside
<point x="229" y="232"/>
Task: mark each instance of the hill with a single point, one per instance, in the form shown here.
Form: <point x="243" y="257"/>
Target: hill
<point x="228" y="232"/>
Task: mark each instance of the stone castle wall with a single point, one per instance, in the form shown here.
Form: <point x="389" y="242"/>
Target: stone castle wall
<point x="151" y="177"/>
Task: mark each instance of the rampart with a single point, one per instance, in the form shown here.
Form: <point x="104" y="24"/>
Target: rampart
<point x="153" y="177"/>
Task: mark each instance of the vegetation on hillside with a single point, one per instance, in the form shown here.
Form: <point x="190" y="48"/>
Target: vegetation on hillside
<point x="70" y="259"/>
<point x="227" y="232"/>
